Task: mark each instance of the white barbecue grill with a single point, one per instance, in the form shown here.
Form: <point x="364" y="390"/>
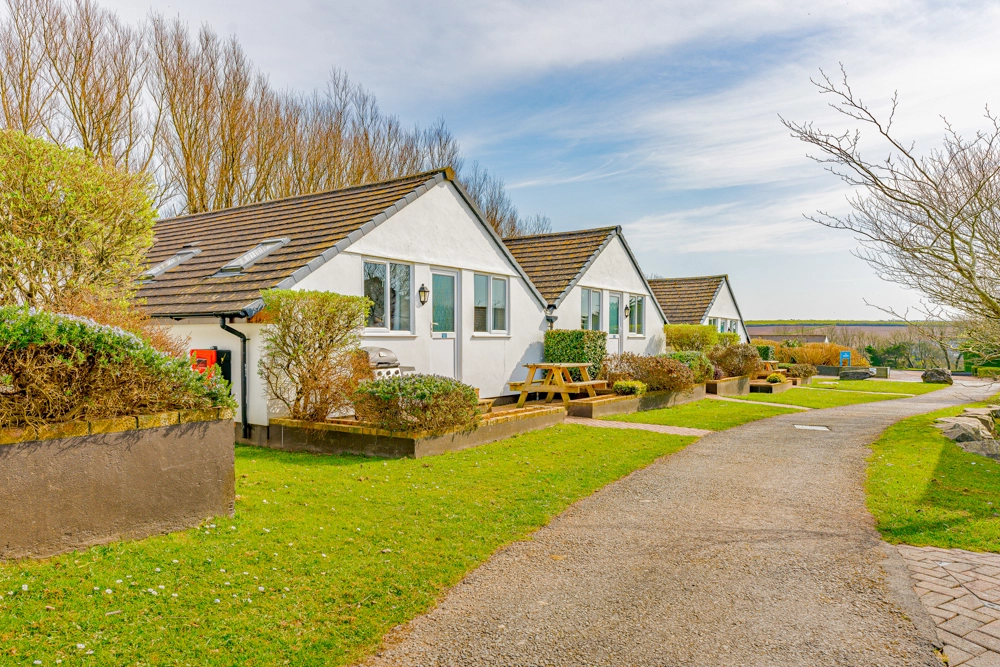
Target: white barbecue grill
<point x="383" y="361"/>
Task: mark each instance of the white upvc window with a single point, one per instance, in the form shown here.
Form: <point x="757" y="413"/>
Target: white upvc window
<point x="388" y="285"/>
<point x="637" y="315"/>
<point x="490" y="304"/>
<point x="590" y="309"/>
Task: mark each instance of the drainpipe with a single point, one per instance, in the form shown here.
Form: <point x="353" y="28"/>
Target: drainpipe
<point x="243" y="375"/>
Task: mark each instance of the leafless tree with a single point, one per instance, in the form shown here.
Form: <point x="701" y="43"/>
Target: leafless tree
<point x="25" y="93"/>
<point x="928" y="222"/>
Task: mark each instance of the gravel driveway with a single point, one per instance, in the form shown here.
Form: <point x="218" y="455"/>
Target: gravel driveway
<point x="750" y="547"/>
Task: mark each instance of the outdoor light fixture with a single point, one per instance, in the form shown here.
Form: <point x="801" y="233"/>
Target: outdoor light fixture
<point x="423" y="293"/>
<point x="628" y="309"/>
<point x="549" y="316"/>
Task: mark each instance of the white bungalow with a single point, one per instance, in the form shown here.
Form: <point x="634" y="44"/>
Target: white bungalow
<point x="701" y="300"/>
<point x="449" y="297"/>
<point x="591" y="280"/>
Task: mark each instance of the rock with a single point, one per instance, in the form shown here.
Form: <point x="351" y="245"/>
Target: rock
<point x="984" y="415"/>
<point x="994" y="410"/>
<point x="963" y="429"/>
<point x="937" y="376"/>
<point x="862" y="374"/>
<point x="987" y="448"/>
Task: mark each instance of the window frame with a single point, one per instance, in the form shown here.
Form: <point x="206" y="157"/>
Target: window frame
<point x="490" y="324"/>
<point x="588" y="317"/>
<point x="637" y="327"/>
<point x="386" y="296"/>
<point x="236" y="267"/>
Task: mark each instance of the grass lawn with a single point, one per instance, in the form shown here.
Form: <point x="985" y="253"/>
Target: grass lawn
<point x="891" y="386"/>
<point x="926" y="491"/>
<point x="812" y="398"/>
<point x="324" y="556"/>
<point x="706" y="413"/>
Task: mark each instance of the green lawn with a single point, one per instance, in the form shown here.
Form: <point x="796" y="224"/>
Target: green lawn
<point x="926" y="491"/>
<point x="812" y="398"/>
<point x="707" y="413"/>
<point x="324" y="556"/>
<point x="890" y="386"/>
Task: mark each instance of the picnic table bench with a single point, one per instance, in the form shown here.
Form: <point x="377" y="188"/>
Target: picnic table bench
<point x="556" y="379"/>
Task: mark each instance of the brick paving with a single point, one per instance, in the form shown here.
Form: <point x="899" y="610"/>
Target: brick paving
<point x="656" y="428"/>
<point x="961" y="591"/>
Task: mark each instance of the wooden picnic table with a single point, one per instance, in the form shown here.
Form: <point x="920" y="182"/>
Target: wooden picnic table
<point x="556" y="379"/>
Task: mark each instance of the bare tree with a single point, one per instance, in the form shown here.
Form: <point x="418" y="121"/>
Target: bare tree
<point x="25" y="93"/>
<point x="928" y="222"/>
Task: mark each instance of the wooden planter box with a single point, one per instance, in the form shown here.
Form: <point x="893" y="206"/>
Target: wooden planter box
<point x="797" y="382"/>
<point x="76" y="484"/>
<point x="768" y="388"/>
<point x="602" y="406"/>
<point x="353" y="437"/>
<point x="737" y="386"/>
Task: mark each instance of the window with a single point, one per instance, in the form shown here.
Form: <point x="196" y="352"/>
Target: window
<point x="182" y="256"/>
<point x="388" y="286"/>
<point x="489" y="307"/>
<point x="247" y="259"/>
<point x="614" y="313"/>
<point x="636" y="315"/>
<point x="590" y="309"/>
<point x="714" y="323"/>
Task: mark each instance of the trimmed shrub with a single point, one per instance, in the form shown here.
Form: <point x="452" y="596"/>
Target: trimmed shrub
<point x="698" y="362"/>
<point x="416" y="403"/>
<point x="775" y="378"/>
<point x="736" y="360"/>
<point x="56" y="368"/>
<point x="657" y="373"/>
<point x="576" y="346"/>
<point x="629" y="388"/>
<point x="986" y="372"/>
<point x="310" y="361"/>
<point x="717" y="373"/>
<point x="819" y="354"/>
<point x="686" y="337"/>
<point x="766" y="352"/>
<point x="799" y="370"/>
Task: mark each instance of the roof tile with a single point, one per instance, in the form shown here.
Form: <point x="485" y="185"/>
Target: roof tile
<point x="686" y="300"/>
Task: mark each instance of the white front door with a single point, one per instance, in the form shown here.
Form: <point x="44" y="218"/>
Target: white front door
<point x="444" y="323"/>
<point x="616" y="341"/>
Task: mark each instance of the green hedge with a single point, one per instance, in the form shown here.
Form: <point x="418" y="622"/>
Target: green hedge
<point x="766" y="352"/>
<point x="576" y="346"/>
<point x="409" y="403"/>
<point x="698" y="362"/>
<point x="629" y="388"/>
<point x="686" y="337"/>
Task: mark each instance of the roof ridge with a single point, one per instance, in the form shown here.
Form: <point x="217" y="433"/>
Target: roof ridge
<point x="421" y="177"/>
<point x="566" y="233"/>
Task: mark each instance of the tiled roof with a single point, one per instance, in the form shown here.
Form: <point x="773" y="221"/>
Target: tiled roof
<point x="686" y="300"/>
<point x="553" y="261"/>
<point x="317" y="224"/>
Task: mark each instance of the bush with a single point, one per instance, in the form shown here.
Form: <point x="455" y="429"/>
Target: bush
<point x="775" y="378"/>
<point x="986" y="372"/>
<point x="799" y="370"/>
<point x="310" y="361"/>
<point x="416" y="403"/>
<point x="698" y="362"/>
<point x="687" y="337"/>
<point x="736" y="360"/>
<point x="56" y="368"/>
<point x="629" y="388"/>
<point x="729" y="338"/>
<point x="767" y="352"/>
<point x="576" y="346"/>
<point x="657" y="373"/>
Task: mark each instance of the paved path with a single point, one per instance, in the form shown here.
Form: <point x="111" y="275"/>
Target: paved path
<point x="656" y="428"/>
<point x="961" y="590"/>
<point x="751" y="546"/>
<point x="733" y="399"/>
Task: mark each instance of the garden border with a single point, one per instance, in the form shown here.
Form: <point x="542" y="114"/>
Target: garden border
<point x="603" y="406"/>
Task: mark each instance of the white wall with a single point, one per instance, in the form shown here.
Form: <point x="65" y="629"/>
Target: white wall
<point x="613" y="271"/>
<point x="725" y="307"/>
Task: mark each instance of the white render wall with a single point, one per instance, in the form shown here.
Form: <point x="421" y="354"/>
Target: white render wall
<point x="725" y="307"/>
<point x="437" y="230"/>
<point x="613" y="271"/>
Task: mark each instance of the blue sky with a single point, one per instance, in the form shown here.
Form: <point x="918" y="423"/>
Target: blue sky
<point x="661" y="117"/>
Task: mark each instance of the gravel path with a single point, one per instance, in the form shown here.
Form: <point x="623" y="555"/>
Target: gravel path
<point x="752" y="546"/>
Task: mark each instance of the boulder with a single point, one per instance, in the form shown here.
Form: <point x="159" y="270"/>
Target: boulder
<point x="994" y="410"/>
<point x="963" y="429"/>
<point x="856" y="374"/>
<point x="987" y="448"/>
<point x="982" y="414"/>
<point x="937" y="376"/>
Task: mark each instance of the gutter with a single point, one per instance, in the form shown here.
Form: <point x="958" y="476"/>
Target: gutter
<point x="243" y="375"/>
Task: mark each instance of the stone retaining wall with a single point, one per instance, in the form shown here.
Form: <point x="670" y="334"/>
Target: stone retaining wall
<point x="76" y="484"/>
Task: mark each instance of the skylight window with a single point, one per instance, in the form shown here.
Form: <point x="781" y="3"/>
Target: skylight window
<point x="164" y="266"/>
<point x="247" y="259"/>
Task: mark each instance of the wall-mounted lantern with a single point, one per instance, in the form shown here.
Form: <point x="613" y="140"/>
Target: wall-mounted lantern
<point x="423" y="293"/>
<point x="628" y="310"/>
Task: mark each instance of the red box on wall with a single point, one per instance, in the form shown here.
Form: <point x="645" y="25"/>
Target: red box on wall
<point x="202" y="360"/>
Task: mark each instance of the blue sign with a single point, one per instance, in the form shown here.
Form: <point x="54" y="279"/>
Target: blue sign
<point x="845" y="358"/>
